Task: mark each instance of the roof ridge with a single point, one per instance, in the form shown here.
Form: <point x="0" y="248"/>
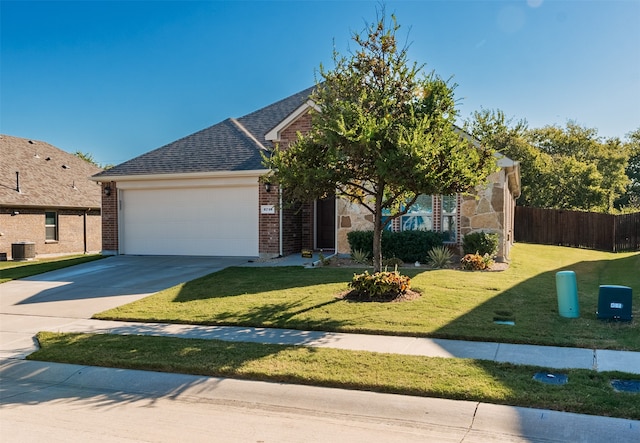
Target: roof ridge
<point x="246" y="132"/>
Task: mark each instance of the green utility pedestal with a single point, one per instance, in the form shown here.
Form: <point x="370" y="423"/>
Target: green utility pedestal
<point x="567" y="290"/>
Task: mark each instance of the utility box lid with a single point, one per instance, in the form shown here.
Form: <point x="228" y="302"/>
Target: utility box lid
<point x="614" y="303"/>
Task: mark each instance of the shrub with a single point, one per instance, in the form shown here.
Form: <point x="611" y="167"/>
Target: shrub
<point x="380" y="285"/>
<point x="392" y="262"/>
<point x="408" y="246"/>
<point x="481" y="243"/>
<point x="476" y="262"/>
<point x="361" y="241"/>
<point x="360" y="256"/>
<point x="440" y="256"/>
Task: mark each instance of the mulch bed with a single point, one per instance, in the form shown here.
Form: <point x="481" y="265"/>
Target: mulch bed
<point x="390" y="298"/>
<point x="346" y="262"/>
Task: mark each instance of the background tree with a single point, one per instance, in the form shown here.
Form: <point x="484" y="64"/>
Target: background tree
<point x="561" y="168"/>
<point x="383" y="135"/>
<point x="602" y="176"/>
<point x="630" y="200"/>
<point x="86" y="157"/>
<point x="89" y="158"/>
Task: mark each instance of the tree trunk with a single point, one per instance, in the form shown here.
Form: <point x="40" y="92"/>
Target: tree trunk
<point x="377" y="232"/>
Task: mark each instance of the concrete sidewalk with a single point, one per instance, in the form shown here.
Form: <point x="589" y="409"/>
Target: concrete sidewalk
<point x="18" y="330"/>
<point x="239" y="410"/>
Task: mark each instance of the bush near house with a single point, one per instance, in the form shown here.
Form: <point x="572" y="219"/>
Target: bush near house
<point x="481" y="243"/>
<point x="408" y="246"/>
<point x="476" y="262"/>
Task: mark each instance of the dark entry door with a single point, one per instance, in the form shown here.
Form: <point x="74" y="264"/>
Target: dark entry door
<point x="326" y="223"/>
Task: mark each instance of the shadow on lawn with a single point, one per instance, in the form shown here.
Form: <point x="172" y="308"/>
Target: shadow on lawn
<point x="532" y="305"/>
<point x="279" y="315"/>
<point x="235" y="281"/>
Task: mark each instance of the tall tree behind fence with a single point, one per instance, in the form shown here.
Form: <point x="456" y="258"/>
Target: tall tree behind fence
<point x="590" y="230"/>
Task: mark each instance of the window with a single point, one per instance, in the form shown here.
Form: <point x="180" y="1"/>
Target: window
<point x="420" y="215"/>
<point x="51" y="226"/>
<point x="449" y="216"/>
<point x="429" y="213"/>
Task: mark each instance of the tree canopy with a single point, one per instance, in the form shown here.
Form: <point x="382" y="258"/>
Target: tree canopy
<point x="562" y="168"/>
<point x="382" y="134"/>
<point x="88" y="157"/>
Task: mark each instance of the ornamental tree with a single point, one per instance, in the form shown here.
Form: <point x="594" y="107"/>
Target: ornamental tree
<point x="382" y="134"/>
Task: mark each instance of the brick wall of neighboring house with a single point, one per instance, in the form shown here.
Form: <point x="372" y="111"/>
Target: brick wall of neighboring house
<point x="78" y="230"/>
<point x="110" y="218"/>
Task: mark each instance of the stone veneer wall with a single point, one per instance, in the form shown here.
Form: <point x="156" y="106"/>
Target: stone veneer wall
<point x="490" y="210"/>
<point x="351" y="217"/>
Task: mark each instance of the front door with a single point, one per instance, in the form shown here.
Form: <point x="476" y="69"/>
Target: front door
<point x="326" y="223"/>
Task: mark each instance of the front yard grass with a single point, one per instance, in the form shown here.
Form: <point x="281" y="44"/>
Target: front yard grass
<point x="454" y="304"/>
<point x="586" y="392"/>
<point x="13" y="270"/>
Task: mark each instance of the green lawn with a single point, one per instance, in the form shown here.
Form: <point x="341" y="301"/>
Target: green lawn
<point x="454" y="304"/>
<point x="586" y="392"/>
<point x="12" y="270"/>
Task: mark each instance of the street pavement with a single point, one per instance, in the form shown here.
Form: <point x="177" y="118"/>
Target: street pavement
<point x="52" y="402"/>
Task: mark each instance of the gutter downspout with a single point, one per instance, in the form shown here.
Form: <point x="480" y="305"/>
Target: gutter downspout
<point x="280" y="236"/>
<point x="84" y="230"/>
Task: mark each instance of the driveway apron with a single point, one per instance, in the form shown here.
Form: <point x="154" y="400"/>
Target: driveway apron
<point x="81" y="291"/>
<point x="55" y="300"/>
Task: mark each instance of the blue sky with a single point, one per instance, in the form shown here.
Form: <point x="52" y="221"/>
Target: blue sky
<point x="117" y="79"/>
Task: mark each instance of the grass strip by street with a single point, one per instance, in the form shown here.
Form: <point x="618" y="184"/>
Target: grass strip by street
<point x="13" y="270"/>
<point x="455" y="304"/>
<point x="587" y="392"/>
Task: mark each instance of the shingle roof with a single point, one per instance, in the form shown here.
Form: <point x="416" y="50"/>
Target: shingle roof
<point x="231" y="145"/>
<point x="48" y="176"/>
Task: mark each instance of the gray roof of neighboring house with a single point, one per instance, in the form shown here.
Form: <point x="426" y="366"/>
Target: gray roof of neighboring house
<point x="231" y="145"/>
<point x="49" y="177"/>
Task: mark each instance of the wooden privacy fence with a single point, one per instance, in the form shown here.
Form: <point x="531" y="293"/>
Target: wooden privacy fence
<point x="590" y="230"/>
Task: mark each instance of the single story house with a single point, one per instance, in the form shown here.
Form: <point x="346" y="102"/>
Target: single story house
<point x="201" y="195"/>
<point x="47" y="200"/>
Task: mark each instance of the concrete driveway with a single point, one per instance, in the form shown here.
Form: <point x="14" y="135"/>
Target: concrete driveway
<point x="81" y="291"/>
<point x="55" y="299"/>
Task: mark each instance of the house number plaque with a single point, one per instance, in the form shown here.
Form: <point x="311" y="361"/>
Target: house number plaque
<point x="267" y="209"/>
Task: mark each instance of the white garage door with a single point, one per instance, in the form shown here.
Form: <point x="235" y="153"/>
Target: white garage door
<point x="190" y="221"/>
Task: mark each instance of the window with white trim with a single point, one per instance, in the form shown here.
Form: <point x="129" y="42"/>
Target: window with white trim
<point x="51" y="226"/>
<point x="449" y="216"/>
<point x="420" y="215"/>
<point x="429" y="213"/>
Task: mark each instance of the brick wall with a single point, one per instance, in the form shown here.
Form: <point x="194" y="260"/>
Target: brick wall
<point x="110" y="218"/>
<point x="297" y="220"/>
<point x="268" y="224"/>
<point x="302" y="124"/>
<point x="28" y="225"/>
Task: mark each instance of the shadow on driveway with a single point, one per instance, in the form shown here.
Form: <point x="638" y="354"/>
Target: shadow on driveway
<point x="113" y="280"/>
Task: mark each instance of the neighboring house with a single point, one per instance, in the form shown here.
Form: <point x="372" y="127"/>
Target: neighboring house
<point x="201" y="195"/>
<point x="47" y="199"/>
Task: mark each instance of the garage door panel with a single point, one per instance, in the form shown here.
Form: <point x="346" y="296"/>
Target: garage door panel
<point x="190" y="221"/>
